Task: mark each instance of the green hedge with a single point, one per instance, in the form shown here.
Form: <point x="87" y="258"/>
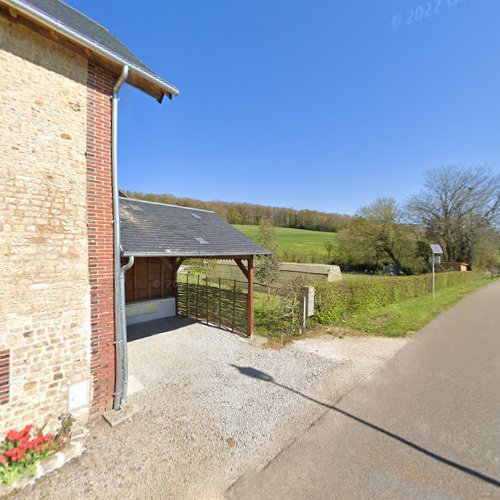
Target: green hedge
<point x="333" y="301"/>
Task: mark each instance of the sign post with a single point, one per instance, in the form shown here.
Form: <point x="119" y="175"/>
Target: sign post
<point x="437" y="251"/>
<point x="307" y="305"/>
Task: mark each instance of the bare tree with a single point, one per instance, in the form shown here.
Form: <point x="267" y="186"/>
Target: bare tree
<point x="455" y="205"/>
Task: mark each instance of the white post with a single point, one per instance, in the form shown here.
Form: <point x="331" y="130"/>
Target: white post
<point x="304" y="312"/>
<point x="433" y="278"/>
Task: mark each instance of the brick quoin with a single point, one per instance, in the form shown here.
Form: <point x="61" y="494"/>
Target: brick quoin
<point x="4" y="376"/>
<point x="100" y="234"/>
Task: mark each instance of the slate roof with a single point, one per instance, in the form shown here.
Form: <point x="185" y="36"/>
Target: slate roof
<point x="156" y="229"/>
<point x="91" y="30"/>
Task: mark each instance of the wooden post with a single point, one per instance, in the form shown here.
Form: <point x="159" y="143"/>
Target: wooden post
<point x="206" y="298"/>
<point x="197" y="295"/>
<point x="234" y="305"/>
<point x="219" y="306"/>
<point x="187" y="294"/>
<point x="250" y="296"/>
<point x="175" y="287"/>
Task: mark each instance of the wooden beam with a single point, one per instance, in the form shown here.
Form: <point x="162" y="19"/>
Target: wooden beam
<point x="250" y="327"/>
<point x="161" y="277"/>
<point x="168" y="263"/>
<point x="178" y="263"/>
<point x="148" y="260"/>
<point x="134" y="291"/>
<point x="244" y="270"/>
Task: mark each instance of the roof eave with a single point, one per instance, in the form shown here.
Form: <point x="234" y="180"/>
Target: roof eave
<point x="156" y="88"/>
<point x="193" y="255"/>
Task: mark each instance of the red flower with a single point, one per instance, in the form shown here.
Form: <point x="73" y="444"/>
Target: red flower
<point x="27" y="429"/>
<point x="13" y="435"/>
<point x="47" y="438"/>
<point x="14" y="454"/>
<point x="38" y="449"/>
<point x="2" y="459"/>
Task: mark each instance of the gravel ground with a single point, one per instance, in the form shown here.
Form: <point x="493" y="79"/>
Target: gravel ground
<point x="213" y="408"/>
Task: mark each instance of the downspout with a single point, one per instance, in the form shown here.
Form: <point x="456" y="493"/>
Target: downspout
<point x="123" y="318"/>
<point x="120" y="328"/>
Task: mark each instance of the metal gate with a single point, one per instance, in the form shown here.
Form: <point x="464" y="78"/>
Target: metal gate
<point x="214" y="301"/>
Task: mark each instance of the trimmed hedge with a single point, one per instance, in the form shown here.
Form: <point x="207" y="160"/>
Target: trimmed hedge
<point x="333" y="301"/>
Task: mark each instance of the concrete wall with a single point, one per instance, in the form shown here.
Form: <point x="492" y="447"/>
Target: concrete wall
<point x="148" y="310"/>
<point x="44" y="277"/>
<point x="313" y="273"/>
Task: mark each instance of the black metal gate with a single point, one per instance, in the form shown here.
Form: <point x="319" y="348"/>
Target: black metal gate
<point x="214" y="301"/>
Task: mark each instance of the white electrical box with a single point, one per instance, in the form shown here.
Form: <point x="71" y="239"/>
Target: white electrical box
<point x="78" y="395"/>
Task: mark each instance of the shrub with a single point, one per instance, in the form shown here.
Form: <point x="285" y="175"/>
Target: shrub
<point x="334" y="301"/>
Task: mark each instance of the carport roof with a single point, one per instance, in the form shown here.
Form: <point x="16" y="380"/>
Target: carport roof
<point x="150" y="229"/>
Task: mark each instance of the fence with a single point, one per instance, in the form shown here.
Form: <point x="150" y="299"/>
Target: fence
<point x="215" y="301"/>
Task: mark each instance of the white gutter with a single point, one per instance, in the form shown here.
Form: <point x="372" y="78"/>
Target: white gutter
<point x="120" y="329"/>
<point x="52" y="24"/>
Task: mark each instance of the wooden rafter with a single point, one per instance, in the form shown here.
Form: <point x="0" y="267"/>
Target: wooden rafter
<point x="244" y="270"/>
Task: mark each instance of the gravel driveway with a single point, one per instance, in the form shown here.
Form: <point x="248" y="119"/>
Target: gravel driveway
<point x="213" y="407"/>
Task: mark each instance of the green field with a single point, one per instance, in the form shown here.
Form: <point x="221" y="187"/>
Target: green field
<point x="296" y="245"/>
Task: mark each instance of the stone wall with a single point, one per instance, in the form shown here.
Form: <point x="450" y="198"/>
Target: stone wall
<point x="44" y="276"/>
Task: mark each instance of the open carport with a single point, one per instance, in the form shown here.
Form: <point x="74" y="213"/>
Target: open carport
<point x="157" y="238"/>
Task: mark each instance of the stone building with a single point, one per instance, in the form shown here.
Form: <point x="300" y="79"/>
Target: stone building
<point x="59" y="71"/>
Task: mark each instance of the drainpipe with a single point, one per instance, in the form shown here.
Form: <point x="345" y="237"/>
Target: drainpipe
<point x="120" y="327"/>
<point x="123" y="324"/>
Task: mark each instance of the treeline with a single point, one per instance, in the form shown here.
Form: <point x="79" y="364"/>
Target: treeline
<point x="248" y="213"/>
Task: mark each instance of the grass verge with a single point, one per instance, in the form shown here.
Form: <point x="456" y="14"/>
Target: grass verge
<point x="406" y="317"/>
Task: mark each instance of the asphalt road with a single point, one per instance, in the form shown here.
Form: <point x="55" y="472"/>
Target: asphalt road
<point x="426" y="425"/>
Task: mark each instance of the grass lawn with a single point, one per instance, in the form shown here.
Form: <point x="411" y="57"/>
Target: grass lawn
<point x="409" y="316"/>
<point x="309" y="246"/>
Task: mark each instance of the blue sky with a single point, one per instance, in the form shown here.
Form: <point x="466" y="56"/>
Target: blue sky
<point x="321" y="104"/>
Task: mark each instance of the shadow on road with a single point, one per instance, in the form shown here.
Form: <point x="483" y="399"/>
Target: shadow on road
<point x="259" y="375"/>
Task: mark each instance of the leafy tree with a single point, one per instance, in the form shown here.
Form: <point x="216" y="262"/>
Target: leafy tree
<point x="234" y="216"/>
<point x="377" y="236"/>
<point x="329" y="247"/>
<point x="486" y="255"/>
<point x="268" y="269"/>
<point x="455" y="206"/>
